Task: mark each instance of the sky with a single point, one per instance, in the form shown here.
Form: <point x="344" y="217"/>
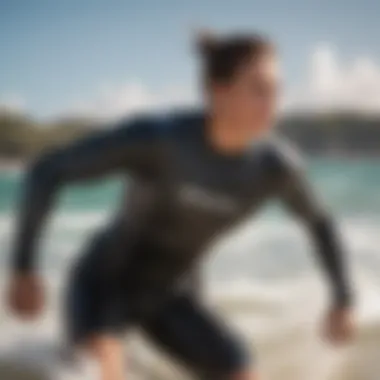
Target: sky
<point x="108" y="57"/>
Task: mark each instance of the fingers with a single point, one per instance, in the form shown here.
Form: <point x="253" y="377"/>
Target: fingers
<point x="339" y="327"/>
<point x="26" y="298"/>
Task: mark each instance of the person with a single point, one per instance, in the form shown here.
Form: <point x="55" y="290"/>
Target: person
<point x="192" y="176"/>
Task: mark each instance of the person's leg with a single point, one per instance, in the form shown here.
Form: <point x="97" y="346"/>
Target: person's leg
<point x="107" y="351"/>
<point x="199" y="340"/>
<point x="95" y="322"/>
<point x="246" y="375"/>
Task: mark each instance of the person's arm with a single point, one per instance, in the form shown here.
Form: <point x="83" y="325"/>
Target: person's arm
<point x="194" y="282"/>
<point x="300" y="197"/>
<point x="130" y="147"/>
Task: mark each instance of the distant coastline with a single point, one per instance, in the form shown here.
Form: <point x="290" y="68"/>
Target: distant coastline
<point x="11" y="165"/>
<point x="334" y="135"/>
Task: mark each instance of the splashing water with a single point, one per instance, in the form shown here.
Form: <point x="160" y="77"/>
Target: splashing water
<point x="263" y="280"/>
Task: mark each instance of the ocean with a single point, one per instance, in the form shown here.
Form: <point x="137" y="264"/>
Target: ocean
<point x="263" y="278"/>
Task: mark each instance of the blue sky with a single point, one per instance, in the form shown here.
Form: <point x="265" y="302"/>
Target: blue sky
<point x="58" y="53"/>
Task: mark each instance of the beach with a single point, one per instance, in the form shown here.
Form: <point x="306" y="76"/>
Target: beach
<point x="262" y="278"/>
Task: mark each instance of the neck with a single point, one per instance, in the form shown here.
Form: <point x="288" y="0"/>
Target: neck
<point x="224" y="137"/>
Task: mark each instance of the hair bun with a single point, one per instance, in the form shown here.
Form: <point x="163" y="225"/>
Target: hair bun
<point x="206" y="42"/>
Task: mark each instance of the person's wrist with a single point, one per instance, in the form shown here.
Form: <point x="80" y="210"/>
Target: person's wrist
<point x="23" y="273"/>
<point x="343" y="296"/>
<point x="342" y="303"/>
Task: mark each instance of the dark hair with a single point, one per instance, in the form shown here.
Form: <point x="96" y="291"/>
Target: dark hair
<point x="222" y="57"/>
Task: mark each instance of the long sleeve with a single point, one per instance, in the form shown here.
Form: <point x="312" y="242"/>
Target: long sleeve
<point x="300" y="198"/>
<point x="131" y="147"/>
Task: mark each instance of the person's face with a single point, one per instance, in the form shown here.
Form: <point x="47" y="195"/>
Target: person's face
<point x="249" y="100"/>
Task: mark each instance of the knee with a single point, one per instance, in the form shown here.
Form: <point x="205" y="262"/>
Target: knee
<point x="102" y="346"/>
<point x="246" y="375"/>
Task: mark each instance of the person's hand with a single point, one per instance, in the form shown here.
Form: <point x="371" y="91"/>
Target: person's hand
<point x="339" y="326"/>
<point x="26" y="295"/>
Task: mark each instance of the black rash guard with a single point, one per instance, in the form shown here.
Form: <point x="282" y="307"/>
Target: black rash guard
<point x="182" y="194"/>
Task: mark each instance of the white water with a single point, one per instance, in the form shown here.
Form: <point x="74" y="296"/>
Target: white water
<point x="278" y="310"/>
<point x="263" y="280"/>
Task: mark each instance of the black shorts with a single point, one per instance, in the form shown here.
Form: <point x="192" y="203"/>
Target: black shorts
<point x="177" y="323"/>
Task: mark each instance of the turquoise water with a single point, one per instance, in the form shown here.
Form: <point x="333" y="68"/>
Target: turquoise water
<point x="266" y="268"/>
<point x="349" y="187"/>
<point x="97" y="196"/>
